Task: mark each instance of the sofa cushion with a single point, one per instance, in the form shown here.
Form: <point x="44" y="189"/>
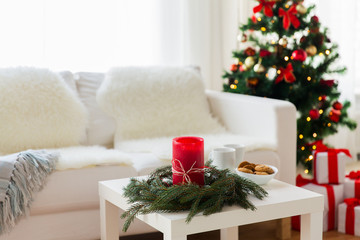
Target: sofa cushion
<point x="69" y="80"/>
<point x="156" y="101"/>
<point x="76" y="189"/>
<point x="101" y="127"/>
<point x="38" y="110"/>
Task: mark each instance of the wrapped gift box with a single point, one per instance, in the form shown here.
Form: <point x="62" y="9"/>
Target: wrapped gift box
<point x="352" y="185"/>
<point x="333" y="196"/>
<point x="349" y="217"/>
<point x="329" y="166"/>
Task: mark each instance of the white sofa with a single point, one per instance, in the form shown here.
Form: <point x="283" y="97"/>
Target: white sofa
<point x="68" y="207"/>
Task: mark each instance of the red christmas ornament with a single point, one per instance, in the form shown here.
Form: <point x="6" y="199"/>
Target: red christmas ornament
<point x="286" y="74"/>
<point x="314" y="19"/>
<point x="302" y="39"/>
<point x="264" y="53"/>
<point x="250" y="51"/>
<point x="322" y="98"/>
<point x="253" y="19"/>
<point x="327" y="83"/>
<point x="289" y="17"/>
<point x="337" y="105"/>
<point x="314" y="114"/>
<point x="334" y="115"/>
<point x="267" y="5"/>
<point x="299" y="55"/>
<point x="234" y="67"/>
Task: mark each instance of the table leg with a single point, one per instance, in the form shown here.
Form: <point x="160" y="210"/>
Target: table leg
<point x="231" y="233"/>
<point x="311" y="226"/>
<point x="171" y="237"/>
<point x="109" y="220"/>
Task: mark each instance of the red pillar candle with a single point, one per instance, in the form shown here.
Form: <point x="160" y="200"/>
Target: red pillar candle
<point x="188" y="160"/>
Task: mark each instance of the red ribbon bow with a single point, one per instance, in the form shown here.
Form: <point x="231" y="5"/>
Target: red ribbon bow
<point x="354" y="175"/>
<point x="286" y="74"/>
<point x="267" y="5"/>
<point x="300" y="181"/>
<point x="320" y="146"/>
<point x="179" y="170"/>
<point x="350" y="214"/>
<point x="352" y="202"/>
<point x="289" y="17"/>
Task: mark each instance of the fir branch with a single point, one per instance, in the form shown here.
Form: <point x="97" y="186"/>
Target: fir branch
<point x="157" y="194"/>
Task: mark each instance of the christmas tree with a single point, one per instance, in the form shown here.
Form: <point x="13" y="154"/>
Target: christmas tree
<point x="285" y="53"/>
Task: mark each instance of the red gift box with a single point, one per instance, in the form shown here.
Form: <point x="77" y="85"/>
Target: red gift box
<point x="349" y="217"/>
<point x="329" y="165"/>
<point x="333" y="195"/>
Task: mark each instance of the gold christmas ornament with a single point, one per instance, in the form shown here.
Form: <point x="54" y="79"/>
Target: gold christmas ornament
<point x="249" y="62"/>
<point x="252" y="82"/>
<point x="311" y="50"/>
<point x="283" y="42"/>
<point x="301" y="9"/>
<point x="258" y="68"/>
<point x="243" y="68"/>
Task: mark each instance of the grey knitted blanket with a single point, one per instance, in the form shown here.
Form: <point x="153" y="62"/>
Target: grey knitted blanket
<point x="21" y="176"/>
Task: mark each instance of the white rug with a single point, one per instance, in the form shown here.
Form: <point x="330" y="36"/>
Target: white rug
<point x="80" y="157"/>
<point x="162" y="147"/>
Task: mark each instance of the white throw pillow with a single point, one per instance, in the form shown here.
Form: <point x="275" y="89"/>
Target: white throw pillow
<point x="156" y="102"/>
<point x="101" y="128"/>
<point x="38" y="110"/>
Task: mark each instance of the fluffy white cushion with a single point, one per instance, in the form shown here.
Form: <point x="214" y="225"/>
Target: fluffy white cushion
<point x="38" y="110"/>
<point x="86" y="156"/>
<point x="156" y="101"/>
<point x="101" y="127"/>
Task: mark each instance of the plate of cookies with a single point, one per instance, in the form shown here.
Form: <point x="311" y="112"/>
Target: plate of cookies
<point x="258" y="173"/>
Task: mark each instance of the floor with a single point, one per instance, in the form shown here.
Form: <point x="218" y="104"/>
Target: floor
<point x="261" y="231"/>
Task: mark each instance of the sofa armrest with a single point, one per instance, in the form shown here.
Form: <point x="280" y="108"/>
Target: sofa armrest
<point x="261" y="117"/>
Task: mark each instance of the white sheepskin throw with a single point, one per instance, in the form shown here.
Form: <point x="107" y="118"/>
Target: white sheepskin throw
<point x="87" y="156"/>
<point x="152" y="102"/>
<point x="162" y="147"/>
<point x="38" y="110"/>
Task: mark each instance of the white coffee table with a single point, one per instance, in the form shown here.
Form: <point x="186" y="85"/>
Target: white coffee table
<point x="283" y="201"/>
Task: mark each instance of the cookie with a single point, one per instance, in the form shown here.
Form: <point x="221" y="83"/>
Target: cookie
<point x="245" y="170"/>
<point x="270" y="171"/>
<point x="263" y="168"/>
<point x="242" y="164"/>
<point x="250" y="166"/>
<point x="260" y="173"/>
